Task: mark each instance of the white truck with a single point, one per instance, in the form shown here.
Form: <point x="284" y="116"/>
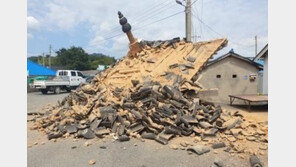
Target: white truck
<point x="64" y="80"/>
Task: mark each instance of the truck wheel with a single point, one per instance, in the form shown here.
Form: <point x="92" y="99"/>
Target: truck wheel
<point x="44" y="91"/>
<point x="57" y="90"/>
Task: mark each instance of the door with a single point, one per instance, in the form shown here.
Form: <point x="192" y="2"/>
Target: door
<point x="81" y="77"/>
<point x="74" y="79"/>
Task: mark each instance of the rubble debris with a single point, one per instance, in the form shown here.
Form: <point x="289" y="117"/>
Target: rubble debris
<point x="199" y="149"/>
<point x="218" y="145"/>
<point x="148" y="111"/>
<point x="218" y="163"/>
<point x="147" y="95"/>
<point x="123" y="138"/>
<point x="91" y="162"/>
<point x="54" y="135"/>
<point x="255" y="162"/>
<point x="103" y="147"/>
<point x="174" y="147"/>
<point x="86" y="133"/>
<point x="71" y="129"/>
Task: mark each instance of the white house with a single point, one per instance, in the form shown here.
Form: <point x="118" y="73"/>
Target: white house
<point x="263" y="55"/>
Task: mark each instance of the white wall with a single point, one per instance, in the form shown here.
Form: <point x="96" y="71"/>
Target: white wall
<point x="227" y="85"/>
<point x="265" y="76"/>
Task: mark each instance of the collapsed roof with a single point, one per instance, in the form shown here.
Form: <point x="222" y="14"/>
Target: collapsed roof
<point x="161" y="61"/>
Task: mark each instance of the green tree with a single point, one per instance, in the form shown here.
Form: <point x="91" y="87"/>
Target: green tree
<point x="74" y="58"/>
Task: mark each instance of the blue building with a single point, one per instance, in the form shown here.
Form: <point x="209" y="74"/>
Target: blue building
<point x="34" y="69"/>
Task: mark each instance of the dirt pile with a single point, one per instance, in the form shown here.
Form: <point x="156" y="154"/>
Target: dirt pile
<point x="150" y="97"/>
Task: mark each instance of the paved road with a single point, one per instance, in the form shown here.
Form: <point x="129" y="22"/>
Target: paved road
<point x="149" y="153"/>
<point x="36" y="100"/>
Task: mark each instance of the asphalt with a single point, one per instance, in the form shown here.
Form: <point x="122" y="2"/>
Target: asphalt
<point x="133" y="153"/>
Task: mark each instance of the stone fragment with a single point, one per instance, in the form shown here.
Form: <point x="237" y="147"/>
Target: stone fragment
<point x="87" y="134"/>
<point x="91" y="162"/>
<point x="218" y="145"/>
<point x="161" y="140"/>
<point x="123" y="138"/>
<point x="255" y="162"/>
<point x="218" y="164"/>
<point x="150" y="136"/>
<point x="232" y="122"/>
<point x="251" y="138"/>
<point x="174" y="147"/>
<point x="191" y="59"/>
<point x="235" y="132"/>
<point x="102" y="131"/>
<point x="71" y="129"/>
<point x="95" y="124"/>
<point x="54" y="135"/>
<point x="205" y="125"/>
<point x="211" y="132"/>
<point x="199" y="149"/>
<point x="87" y="144"/>
<point x="103" y="147"/>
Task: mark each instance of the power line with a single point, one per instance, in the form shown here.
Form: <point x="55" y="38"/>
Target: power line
<point x="193" y="2"/>
<point x="155" y="14"/>
<point x="144" y="16"/>
<point x="210" y="28"/>
<point x="158" y="20"/>
<point x="146" y="12"/>
<point x="207" y="25"/>
<point x="144" y="26"/>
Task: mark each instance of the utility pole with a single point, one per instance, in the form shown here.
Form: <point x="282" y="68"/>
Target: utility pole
<point x="187" y="18"/>
<point x="49" y="61"/>
<point x="255" y="45"/>
<point x="43" y="58"/>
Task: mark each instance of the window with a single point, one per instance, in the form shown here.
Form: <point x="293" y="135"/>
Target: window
<point x="73" y="73"/>
<point x="218" y="76"/>
<point x="234" y="76"/>
<point x="80" y="74"/>
<point x="65" y="73"/>
<point x="60" y="73"/>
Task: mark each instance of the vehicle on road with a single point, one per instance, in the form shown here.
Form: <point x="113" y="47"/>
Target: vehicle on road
<point x="64" y="80"/>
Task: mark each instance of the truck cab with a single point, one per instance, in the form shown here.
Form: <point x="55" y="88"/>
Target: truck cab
<point x="75" y="77"/>
<point x="64" y="80"/>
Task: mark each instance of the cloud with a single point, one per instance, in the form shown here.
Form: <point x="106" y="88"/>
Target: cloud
<point x="238" y="20"/>
<point x="32" y="25"/>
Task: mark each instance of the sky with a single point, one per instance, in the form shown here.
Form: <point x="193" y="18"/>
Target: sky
<point x="93" y="24"/>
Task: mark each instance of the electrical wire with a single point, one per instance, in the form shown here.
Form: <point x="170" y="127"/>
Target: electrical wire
<point x="138" y="17"/>
<point x="153" y="16"/>
<point x="146" y="25"/>
<point x="142" y="27"/>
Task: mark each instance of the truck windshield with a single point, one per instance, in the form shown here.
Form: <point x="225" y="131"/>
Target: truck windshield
<point x="80" y="74"/>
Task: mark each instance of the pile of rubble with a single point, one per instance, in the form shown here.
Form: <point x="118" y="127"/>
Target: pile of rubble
<point x="150" y="97"/>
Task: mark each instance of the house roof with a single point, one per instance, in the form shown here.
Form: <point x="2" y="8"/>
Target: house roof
<point x="262" y="53"/>
<point x="36" y="69"/>
<point x="232" y="54"/>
